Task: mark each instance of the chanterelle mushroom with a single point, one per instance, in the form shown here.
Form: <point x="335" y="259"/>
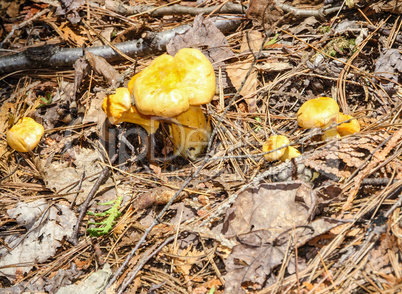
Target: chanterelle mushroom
<point x="275" y="142"/>
<point x="174" y="87"/>
<point x="322" y="112"/>
<point x="25" y="135"/>
<point x="118" y="109"/>
<point x="317" y="113"/>
<point x="169" y="85"/>
<point x="348" y="128"/>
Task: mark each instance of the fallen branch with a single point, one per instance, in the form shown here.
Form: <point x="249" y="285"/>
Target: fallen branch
<point x="56" y="57"/>
<point x="175" y="9"/>
<point x="298" y="12"/>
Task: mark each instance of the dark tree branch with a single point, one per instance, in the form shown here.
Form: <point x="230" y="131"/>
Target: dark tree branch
<point x="55" y="57"/>
<point x="175" y="9"/>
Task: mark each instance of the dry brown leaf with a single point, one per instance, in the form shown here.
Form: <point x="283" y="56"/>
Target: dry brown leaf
<point x="157" y="196"/>
<point x="11" y="8"/>
<point x="73" y="37"/>
<point x="184" y="264"/>
<point x="274" y="66"/>
<point x="392" y="6"/>
<point x="252" y="41"/>
<point x="262" y="219"/>
<point x="264" y="12"/>
<point x="101" y="66"/>
<point x="236" y="72"/>
<point x="59" y="174"/>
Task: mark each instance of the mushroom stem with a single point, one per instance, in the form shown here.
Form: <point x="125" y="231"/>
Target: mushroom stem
<point x="190" y="132"/>
<point x="290" y="152"/>
<point x="147" y="122"/>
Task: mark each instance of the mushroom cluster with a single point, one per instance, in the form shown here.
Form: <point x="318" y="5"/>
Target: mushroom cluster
<point x="171" y="87"/>
<point x="25" y="135"/>
<point x="322" y="112"/>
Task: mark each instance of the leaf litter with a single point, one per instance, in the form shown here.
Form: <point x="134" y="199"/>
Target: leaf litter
<point x="325" y="222"/>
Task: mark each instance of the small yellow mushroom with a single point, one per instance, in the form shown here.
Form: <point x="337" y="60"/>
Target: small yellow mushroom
<point x="25" y="135"/>
<point x="275" y="142"/>
<point x="344" y="129"/>
<point x="348" y="128"/>
<point x="118" y="109"/>
<point x="317" y="113"/>
<point x="322" y="112"/>
<point x="290" y="152"/>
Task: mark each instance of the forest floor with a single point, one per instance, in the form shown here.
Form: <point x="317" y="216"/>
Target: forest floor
<point x="105" y="206"/>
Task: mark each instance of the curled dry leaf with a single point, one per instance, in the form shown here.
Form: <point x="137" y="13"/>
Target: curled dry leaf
<point x="101" y="66"/>
<point x="47" y="227"/>
<point x="205" y="36"/>
<point x="262" y="220"/>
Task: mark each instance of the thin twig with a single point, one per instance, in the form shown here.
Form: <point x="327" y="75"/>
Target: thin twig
<point x="84" y="206"/>
<point x="56" y="57"/>
<point x="297" y="12"/>
<point x="142" y="262"/>
<point x="78" y="189"/>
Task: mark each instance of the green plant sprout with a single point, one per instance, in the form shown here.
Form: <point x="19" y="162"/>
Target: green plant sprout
<point x="45" y="100"/>
<point x="106" y="225"/>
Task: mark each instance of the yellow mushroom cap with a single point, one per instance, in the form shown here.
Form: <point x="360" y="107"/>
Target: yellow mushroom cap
<point x="190" y="132"/>
<point x="317" y="112"/>
<point x="25" y="135"/>
<point x="117" y="104"/>
<point x="130" y="85"/>
<point x="275" y="142"/>
<point x="169" y="85"/>
<point x="348" y="128"/>
<point x="118" y="109"/>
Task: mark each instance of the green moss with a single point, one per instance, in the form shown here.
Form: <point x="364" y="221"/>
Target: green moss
<point x="337" y="46"/>
<point x="324" y="29"/>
